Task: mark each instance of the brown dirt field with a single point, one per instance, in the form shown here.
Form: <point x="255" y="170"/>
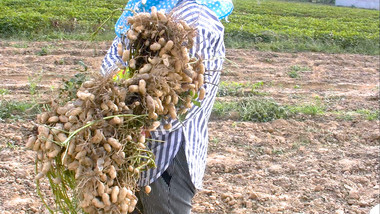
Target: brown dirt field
<point x="324" y="163"/>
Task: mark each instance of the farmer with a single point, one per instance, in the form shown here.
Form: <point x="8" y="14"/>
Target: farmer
<point x="181" y="160"/>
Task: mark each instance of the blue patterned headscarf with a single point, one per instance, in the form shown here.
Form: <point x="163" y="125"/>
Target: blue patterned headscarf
<point x="222" y="9"/>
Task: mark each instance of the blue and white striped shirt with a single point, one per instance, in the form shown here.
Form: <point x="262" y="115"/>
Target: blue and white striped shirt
<point x="209" y="44"/>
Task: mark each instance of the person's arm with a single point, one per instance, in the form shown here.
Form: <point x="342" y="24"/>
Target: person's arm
<point x="208" y="44"/>
<point x="112" y="59"/>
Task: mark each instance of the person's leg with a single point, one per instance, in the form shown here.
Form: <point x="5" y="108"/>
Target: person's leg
<point x="172" y="192"/>
<point x="181" y="188"/>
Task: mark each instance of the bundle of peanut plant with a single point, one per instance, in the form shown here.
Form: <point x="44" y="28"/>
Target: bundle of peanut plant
<point x="92" y="148"/>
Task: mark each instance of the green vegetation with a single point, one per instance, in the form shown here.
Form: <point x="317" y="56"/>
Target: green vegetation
<point x="264" y="110"/>
<point x="70" y="87"/>
<point x="4" y="91"/>
<point x="292" y="26"/>
<point x="293" y="74"/>
<point x="14" y="110"/>
<point x="369" y="114"/>
<point x="42" y="52"/>
<point x="59" y="19"/>
<point x="239" y="89"/>
<point x="17" y="109"/>
<point x="215" y="140"/>
<point x="33" y="82"/>
<point x="251" y="110"/>
<point x="307" y="109"/>
<point x="231" y="89"/>
<point x="261" y="24"/>
<point x="332" y="2"/>
<point x="365" y="114"/>
<point x="21" y="45"/>
<point x="295" y="69"/>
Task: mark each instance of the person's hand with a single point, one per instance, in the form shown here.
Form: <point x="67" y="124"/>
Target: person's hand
<point x="122" y="74"/>
<point x="146" y="133"/>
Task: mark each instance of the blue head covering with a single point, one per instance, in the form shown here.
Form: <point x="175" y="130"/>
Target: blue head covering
<point x="222" y="9"/>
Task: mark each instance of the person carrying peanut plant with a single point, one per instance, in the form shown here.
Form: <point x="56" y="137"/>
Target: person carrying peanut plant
<point x="181" y="159"/>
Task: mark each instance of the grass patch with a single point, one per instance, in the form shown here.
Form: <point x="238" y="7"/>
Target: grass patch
<point x="21" y="45"/>
<point x="296" y="69"/>
<point x="42" y="52"/>
<point x="33" y="82"/>
<point x="307" y="109"/>
<point x="369" y="114"/>
<point x="263" y="110"/>
<point x="365" y="114"/>
<point x="348" y="116"/>
<point x="18" y="110"/>
<point x="251" y="110"/>
<point x="239" y="89"/>
<point x="224" y="109"/>
<point x="4" y="91"/>
<point x="231" y="89"/>
<point x="293" y="74"/>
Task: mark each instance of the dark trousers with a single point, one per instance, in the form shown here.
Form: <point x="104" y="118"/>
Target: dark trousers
<point x="172" y="192"/>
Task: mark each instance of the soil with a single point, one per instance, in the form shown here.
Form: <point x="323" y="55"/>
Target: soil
<point x="324" y="163"/>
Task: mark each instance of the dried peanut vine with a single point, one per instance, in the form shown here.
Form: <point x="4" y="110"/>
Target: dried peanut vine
<point x="92" y="148"/>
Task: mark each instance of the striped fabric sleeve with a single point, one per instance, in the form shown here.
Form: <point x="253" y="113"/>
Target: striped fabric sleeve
<point x="110" y="61"/>
<point x="209" y="45"/>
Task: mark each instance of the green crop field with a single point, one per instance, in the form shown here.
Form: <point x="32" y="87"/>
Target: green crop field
<point x="291" y="26"/>
<point x="58" y="19"/>
<point x="264" y="25"/>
